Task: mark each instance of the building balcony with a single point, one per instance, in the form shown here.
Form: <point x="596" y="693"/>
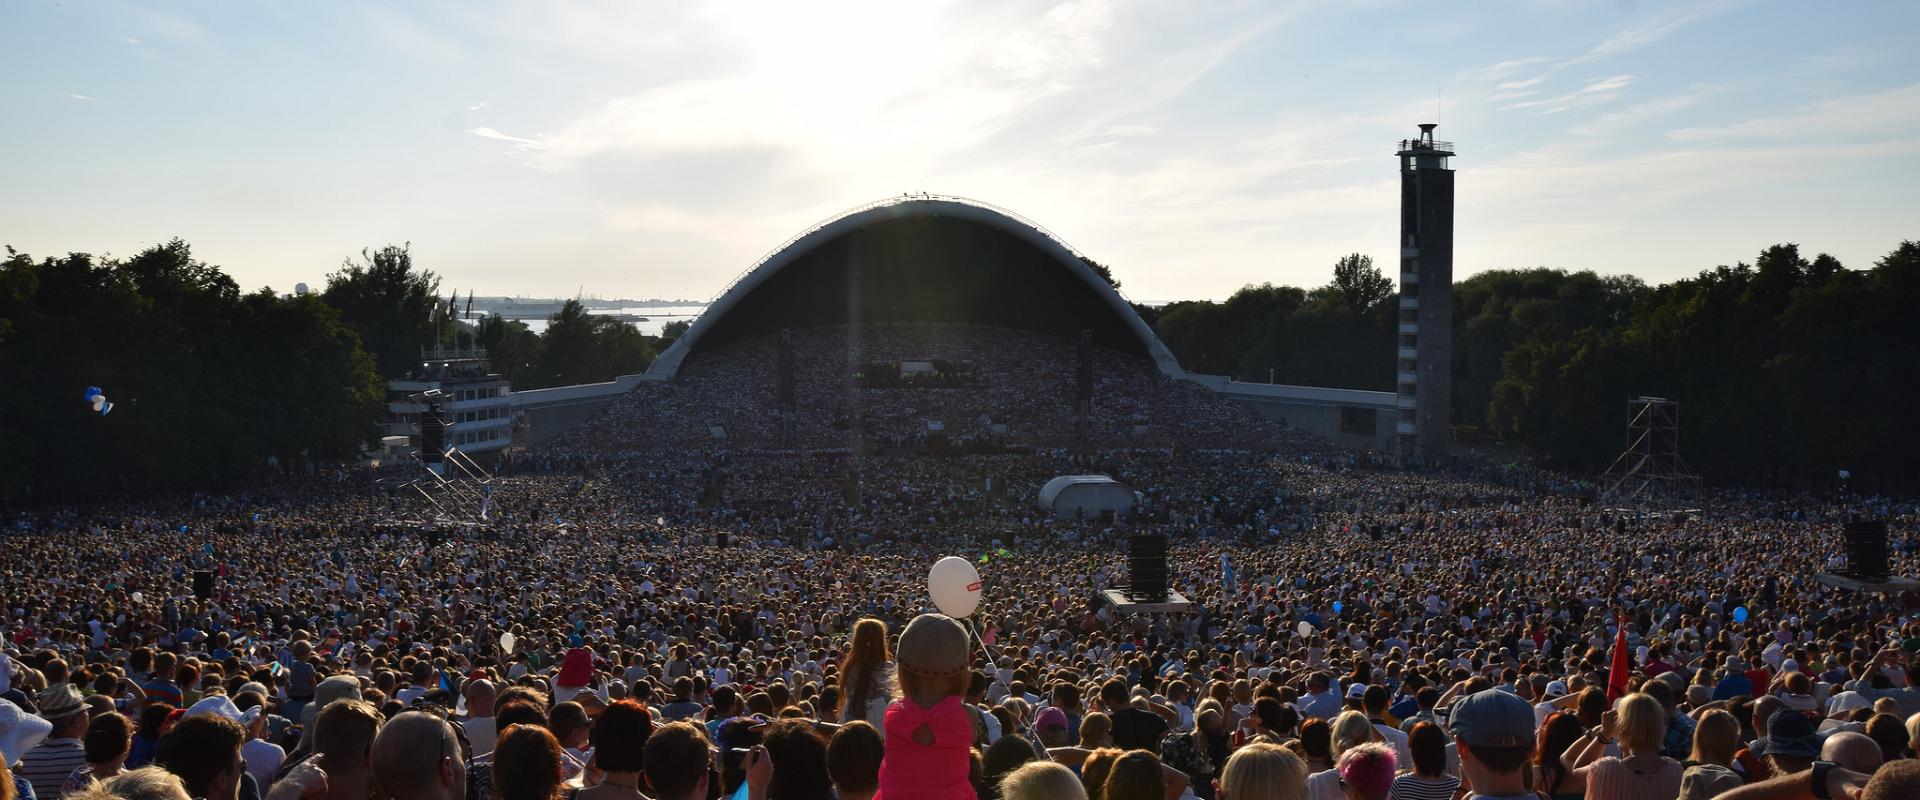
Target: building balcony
<point x="1409" y="303"/>
<point x="1409" y="327"/>
<point x="1405" y="401"/>
<point x="1408" y="378"/>
<point x="1405" y="428"/>
<point x="1409" y="252"/>
<point x="1409" y="352"/>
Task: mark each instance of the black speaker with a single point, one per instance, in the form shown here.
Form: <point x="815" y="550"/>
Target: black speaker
<point x="722" y="539"/>
<point x="1147" y="568"/>
<point x="203" y="584"/>
<point x="433" y="434"/>
<point x="1867" y="549"/>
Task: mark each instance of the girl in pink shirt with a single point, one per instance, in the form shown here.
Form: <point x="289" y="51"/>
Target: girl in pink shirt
<point x="929" y="734"/>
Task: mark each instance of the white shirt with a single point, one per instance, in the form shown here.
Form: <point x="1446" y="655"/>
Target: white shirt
<point x="1399" y="741"/>
<point x="263" y="760"/>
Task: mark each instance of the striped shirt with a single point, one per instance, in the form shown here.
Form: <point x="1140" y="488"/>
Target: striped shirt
<point x="48" y="765"/>
<point x="1410" y="787"/>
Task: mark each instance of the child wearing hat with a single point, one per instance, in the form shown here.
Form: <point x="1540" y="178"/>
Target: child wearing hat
<point x="928" y="732"/>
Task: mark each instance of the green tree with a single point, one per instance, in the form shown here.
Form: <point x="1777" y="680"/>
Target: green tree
<point x="209" y="387"/>
<point x="390" y="303"/>
<point x="567" y="348"/>
<point x="1102" y="270"/>
<point x="1360" y="284"/>
<point x="512" y="348"/>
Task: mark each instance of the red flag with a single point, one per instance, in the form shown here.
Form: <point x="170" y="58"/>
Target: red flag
<point x="1617" y="675"/>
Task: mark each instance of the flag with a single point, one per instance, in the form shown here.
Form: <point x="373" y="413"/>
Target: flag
<point x="469" y="314"/>
<point x="1226" y="573"/>
<point x="1617" y="675"/>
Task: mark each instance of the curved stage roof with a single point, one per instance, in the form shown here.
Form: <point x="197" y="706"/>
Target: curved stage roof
<point x="922" y="258"/>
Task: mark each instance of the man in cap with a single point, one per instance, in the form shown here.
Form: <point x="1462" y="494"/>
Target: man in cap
<point x="1493" y="734"/>
<point x="48" y="765"/>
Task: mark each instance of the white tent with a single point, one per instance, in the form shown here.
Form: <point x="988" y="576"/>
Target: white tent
<point x="1085" y="495"/>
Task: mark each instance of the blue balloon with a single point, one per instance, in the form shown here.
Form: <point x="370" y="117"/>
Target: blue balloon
<point x="92" y="392"/>
<point x="1338" y="607"/>
<point x="1740" y="614"/>
<point x="183" y="529"/>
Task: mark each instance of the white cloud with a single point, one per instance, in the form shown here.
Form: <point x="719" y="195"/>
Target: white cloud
<point x="1504" y="69"/>
<point x="1633" y="37"/>
<point x="1595" y="92"/>
<point x="81" y="96"/>
<point x="1651" y="31"/>
<point x="1891" y="112"/>
<point x="489" y="133"/>
<point x="477" y="106"/>
<point x="129" y="40"/>
<point x="1615" y="122"/>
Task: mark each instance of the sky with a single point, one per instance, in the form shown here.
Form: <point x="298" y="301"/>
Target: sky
<point x="658" y="149"/>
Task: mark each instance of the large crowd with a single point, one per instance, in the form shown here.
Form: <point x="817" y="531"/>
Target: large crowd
<point x="652" y="611"/>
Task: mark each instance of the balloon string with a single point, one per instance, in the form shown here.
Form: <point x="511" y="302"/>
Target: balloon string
<point x="994" y="657"/>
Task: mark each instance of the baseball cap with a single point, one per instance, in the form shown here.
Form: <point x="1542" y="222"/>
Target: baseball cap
<point x="1492" y="718"/>
<point x="1050" y="717"/>
<point x="1356" y="691"/>
<point x="1556" y="688"/>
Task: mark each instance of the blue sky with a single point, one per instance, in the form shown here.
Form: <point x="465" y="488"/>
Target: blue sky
<point x="657" y="149"/>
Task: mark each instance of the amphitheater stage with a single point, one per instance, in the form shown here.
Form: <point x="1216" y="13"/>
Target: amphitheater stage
<point x="1888" y="586"/>
<point x="1176" y="603"/>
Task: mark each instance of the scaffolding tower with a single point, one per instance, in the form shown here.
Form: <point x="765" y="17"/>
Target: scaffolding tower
<point x="1651" y="469"/>
<point x="454" y="486"/>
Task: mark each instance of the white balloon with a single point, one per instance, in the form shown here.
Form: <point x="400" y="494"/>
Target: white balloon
<point x="139" y="598"/>
<point x="1305" y="628"/>
<point x="955" y="586"/>
<point x="301" y="288"/>
<point x="99" y="400"/>
<point x="508" y="640"/>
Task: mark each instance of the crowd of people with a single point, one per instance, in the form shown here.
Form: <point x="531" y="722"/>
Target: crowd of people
<point x="1019" y="390"/>
<point x="654" y="612"/>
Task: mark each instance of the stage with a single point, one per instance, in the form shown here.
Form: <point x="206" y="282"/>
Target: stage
<point x="1176" y="603"/>
<point x="1888" y="586"/>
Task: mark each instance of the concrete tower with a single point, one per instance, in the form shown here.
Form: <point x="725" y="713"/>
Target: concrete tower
<point x="1425" y="373"/>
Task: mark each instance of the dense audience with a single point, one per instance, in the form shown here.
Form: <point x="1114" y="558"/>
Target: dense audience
<point x="1356" y="631"/>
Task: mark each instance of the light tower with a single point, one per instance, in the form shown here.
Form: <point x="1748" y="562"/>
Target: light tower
<point x="1425" y="372"/>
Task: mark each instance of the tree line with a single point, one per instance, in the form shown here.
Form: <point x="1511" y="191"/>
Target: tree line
<point x="1788" y="370"/>
<point x="210" y="385"/>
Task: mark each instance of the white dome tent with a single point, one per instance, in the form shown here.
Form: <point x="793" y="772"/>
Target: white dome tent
<point x="1085" y="496"/>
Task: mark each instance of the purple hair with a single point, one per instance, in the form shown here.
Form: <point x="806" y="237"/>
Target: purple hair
<point x="1368" y="767"/>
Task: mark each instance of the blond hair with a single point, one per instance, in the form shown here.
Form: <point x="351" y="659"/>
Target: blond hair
<point x="1042" y="780"/>
<point x="1716" y="737"/>
<point x="145" y="783"/>
<point x="1642" y="723"/>
<point x="1093" y="728"/>
<point x="1350" y="729"/>
<point x="1264" y="772"/>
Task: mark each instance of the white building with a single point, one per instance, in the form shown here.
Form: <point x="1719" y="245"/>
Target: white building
<point x="474" y="402"/>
